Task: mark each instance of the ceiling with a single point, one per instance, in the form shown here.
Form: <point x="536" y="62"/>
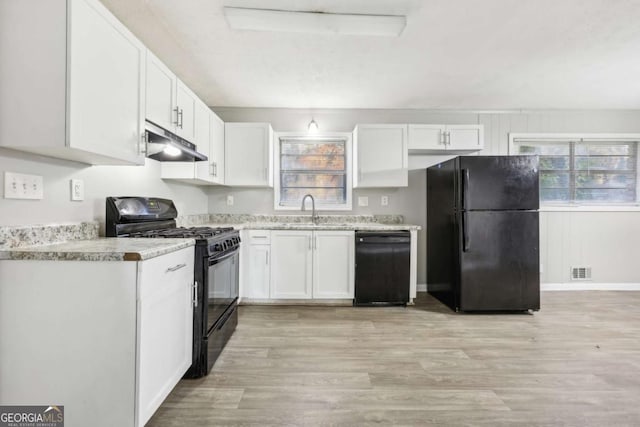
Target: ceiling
<point x="453" y="54"/>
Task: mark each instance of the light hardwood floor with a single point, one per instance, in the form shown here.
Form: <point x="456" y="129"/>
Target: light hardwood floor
<point x="574" y="363"/>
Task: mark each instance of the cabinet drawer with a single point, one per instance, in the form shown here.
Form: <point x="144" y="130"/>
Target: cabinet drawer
<point x="259" y="237"/>
<point x="158" y="274"/>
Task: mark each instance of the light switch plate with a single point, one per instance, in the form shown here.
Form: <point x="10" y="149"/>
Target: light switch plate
<point x="77" y="189"/>
<point x="363" y="201"/>
<point x="229" y="200"/>
<point x="23" y="186"/>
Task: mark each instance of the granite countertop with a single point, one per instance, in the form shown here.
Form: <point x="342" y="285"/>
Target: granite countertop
<point x="101" y="249"/>
<point x="366" y="226"/>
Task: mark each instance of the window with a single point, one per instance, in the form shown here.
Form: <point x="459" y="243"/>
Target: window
<point x="313" y="165"/>
<point x="584" y="170"/>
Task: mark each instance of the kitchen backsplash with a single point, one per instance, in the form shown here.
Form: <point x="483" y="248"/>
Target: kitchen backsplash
<point x="29" y="235"/>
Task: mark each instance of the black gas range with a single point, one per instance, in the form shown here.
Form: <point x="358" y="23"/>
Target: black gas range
<point x="216" y="269"/>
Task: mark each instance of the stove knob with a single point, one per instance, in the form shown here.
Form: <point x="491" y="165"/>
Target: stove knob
<point x="217" y="247"/>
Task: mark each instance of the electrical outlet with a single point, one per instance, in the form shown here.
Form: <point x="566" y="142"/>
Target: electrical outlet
<point x="363" y="201"/>
<point x="384" y="201"/>
<point x="229" y="200"/>
<point x="77" y="189"/>
<point x="23" y="186"/>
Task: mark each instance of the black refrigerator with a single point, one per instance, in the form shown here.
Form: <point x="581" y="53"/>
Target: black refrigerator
<point x="483" y="233"/>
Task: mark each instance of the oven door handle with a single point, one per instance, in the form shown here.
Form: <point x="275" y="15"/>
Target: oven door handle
<point x="222" y="258"/>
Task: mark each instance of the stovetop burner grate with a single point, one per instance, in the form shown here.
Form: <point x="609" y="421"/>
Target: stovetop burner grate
<point x="182" y="232"/>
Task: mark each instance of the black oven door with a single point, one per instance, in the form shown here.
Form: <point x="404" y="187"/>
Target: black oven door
<point x="223" y="283"/>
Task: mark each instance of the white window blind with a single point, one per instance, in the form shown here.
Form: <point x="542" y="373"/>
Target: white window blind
<point x="313" y="166"/>
<point x="584" y="171"/>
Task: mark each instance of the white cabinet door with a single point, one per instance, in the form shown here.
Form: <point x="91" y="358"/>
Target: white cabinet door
<point x="186" y="103"/>
<point x="248" y="154"/>
<point x="333" y="264"/>
<point x="257" y="283"/>
<point x="202" y="139"/>
<point x="291" y="267"/>
<point x="434" y="138"/>
<point x="165" y="322"/>
<point x="381" y="156"/>
<point x="216" y="148"/>
<point x="465" y="137"/>
<point x="106" y="84"/>
<point x="426" y="137"/>
<point x="161" y="94"/>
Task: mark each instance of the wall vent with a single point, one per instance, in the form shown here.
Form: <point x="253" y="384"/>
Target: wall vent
<point x="580" y="273"/>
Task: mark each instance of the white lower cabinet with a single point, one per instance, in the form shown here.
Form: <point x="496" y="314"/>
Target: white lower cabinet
<point x="258" y="264"/>
<point x="294" y="264"/>
<point x="333" y="264"/>
<point x="109" y="340"/>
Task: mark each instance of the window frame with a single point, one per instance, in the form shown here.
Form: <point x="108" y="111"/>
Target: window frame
<point x="551" y="138"/>
<point x="346" y="136"/>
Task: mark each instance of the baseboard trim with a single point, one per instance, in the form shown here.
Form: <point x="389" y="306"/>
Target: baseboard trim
<point x="573" y="286"/>
<point x="589" y="286"/>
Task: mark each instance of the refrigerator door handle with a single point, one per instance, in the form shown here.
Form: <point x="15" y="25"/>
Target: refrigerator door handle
<point x="465" y="188"/>
<point x="465" y="234"/>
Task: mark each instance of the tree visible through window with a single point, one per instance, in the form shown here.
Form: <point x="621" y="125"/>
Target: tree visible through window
<point x="585" y="171"/>
<point x="316" y="167"/>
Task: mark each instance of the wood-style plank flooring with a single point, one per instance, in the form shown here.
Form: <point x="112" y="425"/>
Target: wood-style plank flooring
<point x="574" y="363"/>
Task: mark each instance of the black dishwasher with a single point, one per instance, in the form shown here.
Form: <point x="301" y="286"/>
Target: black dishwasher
<point x="382" y="267"/>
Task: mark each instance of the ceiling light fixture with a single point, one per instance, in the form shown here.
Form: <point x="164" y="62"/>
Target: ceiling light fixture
<point x="240" y="18"/>
<point x="313" y="127"/>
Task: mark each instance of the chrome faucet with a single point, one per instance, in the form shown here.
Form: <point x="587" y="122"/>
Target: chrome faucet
<point x="314" y="215"/>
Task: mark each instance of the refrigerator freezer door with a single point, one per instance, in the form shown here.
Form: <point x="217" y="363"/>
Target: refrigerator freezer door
<point x="499" y="182"/>
<point x="499" y="261"/>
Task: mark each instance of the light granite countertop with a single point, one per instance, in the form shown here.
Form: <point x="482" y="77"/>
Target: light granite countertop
<point x="365" y="226"/>
<point x="101" y="249"/>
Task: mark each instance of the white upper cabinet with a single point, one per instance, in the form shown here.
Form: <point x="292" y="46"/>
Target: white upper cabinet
<point x="161" y="94"/>
<point x="171" y="104"/>
<point x="76" y="93"/>
<point x="380" y="155"/>
<point x="216" y="149"/>
<point x="209" y="139"/>
<point x="248" y="152"/>
<point x="431" y="138"/>
<point x="186" y="105"/>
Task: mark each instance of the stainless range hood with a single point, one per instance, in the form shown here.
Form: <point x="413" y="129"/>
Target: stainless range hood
<point x="166" y="146"/>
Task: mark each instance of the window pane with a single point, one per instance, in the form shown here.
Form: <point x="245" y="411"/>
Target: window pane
<point x="605" y="180"/>
<point x="293" y="196"/>
<point x="311" y="180"/>
<point x="554" y="195"/>
<point x="561" y="149"/>
<point x="554" y="163"/>
<point x="605" y="163"/>
<point x="597" y="149"/>
<point x="316" y="167"/>
<point x="604" y="195"/>
<point x="554" y="179"/>
<point x="312" y="162"/>
<point x="321" y="148"/>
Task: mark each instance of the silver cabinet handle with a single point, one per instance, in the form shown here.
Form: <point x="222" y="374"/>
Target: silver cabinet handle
<point x="181" y="115"/>
<point x="142" y="149"/>
<point x="443" y="138"/>
<point x="448" y="138"/>
<point x="310" y="244"/>
<point x="175" y="268"/>
<point x="177" y="111"/>
<point x="195" y="294"/>
<point x="215" y="169"/>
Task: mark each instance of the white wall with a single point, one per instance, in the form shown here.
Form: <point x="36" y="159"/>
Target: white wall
<point x="99" y="182"/>
<point x="560" y="251"/>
